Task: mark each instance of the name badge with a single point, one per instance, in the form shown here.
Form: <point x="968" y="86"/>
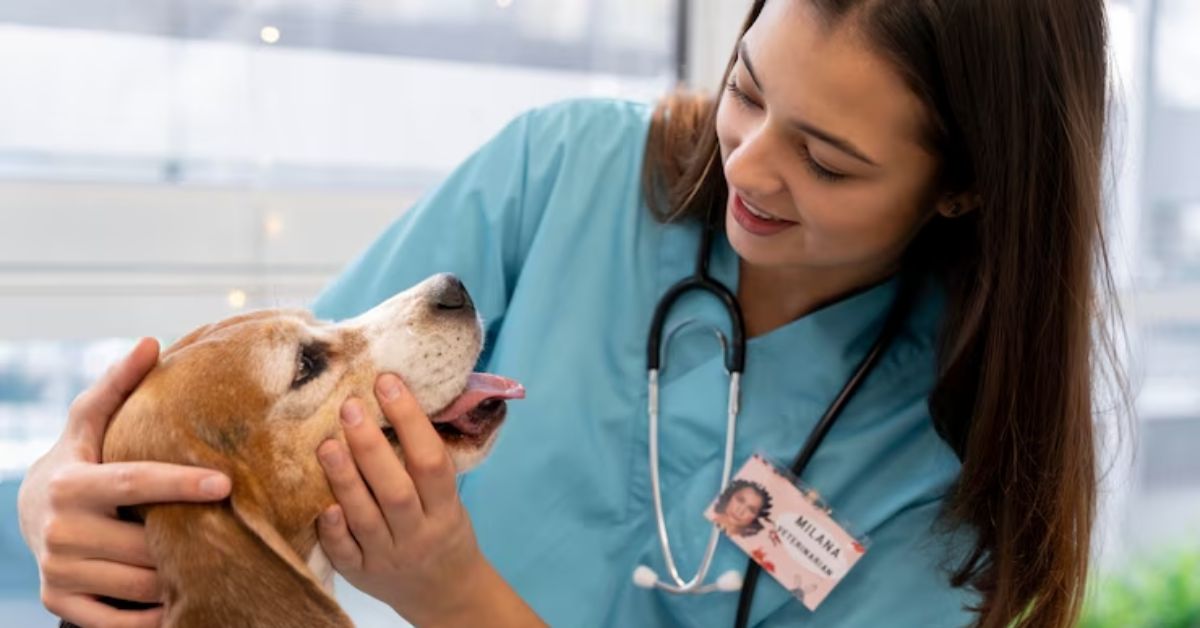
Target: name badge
<point x="786" y="529"/>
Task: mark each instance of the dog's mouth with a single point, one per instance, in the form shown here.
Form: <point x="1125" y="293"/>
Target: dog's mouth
<point x="475" y="413"/>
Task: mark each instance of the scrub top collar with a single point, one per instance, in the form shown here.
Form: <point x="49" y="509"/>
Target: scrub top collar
<point x="846" y="328"/>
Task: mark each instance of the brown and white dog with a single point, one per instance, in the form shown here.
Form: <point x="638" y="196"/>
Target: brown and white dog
<point x="253" y="396"/>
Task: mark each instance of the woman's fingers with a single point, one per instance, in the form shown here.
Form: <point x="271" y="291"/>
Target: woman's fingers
<point x="67" y="506"/>
<point x="336" y="540"/>
<point x="358" y="505"/>
<point x="83" y="610"/>
<point x="385" y="475"/>
<point x="126" y="544"/>
<point x="129" y="483"/>
<point x="91" y="411"/>
<point x="430" y="549"/>
<point x="98" y="537"/>
<point x="102" y="577"/>
<point x="425" y="455"/>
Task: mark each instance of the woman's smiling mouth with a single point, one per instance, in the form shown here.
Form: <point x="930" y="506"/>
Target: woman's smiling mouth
<point x="755" y="221"/>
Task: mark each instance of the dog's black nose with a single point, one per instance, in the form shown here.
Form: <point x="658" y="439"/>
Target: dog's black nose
<point x="451" y="294"/>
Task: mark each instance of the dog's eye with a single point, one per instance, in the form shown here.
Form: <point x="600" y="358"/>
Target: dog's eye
<point x="310" y="361"/>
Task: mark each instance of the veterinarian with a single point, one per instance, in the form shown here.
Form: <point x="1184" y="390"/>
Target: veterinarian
<point x="858" y="152"/>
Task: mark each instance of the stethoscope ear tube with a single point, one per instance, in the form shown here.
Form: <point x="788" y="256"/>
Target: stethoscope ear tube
<point x="735" y="357"/>
<point x="891" y="327"/>
<point x="644" y="576"/>
<point x="701" y="281"/>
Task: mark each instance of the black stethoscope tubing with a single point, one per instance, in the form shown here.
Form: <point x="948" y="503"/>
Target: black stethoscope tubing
<point x="700" y="281"/>
<point x="891" y="327"/>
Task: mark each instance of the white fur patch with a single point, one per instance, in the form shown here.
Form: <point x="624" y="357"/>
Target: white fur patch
<point x="321" y="568"/>
<point x="433" y="355"/>
<point x="276" y="360"/>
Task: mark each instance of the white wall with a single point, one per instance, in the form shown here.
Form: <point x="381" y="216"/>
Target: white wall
<point x="99" y="260"/>
<point x="712" y="35"/>
<point x="127" y="96"/>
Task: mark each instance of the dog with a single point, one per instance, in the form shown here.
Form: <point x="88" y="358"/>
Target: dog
<point x="253" y="396"/>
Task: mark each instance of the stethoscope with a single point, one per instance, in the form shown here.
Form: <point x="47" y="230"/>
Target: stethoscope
<point x="735" y="363"/>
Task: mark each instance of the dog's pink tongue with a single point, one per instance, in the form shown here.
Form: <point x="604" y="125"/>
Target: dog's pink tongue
<point x="480" y="387"/>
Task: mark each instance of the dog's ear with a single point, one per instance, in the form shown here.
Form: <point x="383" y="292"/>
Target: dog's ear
<point x="226" y="564"/>
<point x="222" y="563"/>
<point x="248" y="501"/>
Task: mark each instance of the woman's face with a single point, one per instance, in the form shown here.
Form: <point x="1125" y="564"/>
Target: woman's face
<point x="744" y="506"/>
<point x="822" y="135"/>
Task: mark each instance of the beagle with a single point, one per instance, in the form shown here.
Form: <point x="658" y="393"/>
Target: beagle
<point x="253" y="396"/>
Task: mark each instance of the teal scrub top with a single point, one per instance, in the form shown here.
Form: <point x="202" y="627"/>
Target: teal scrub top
<point x="547" y="227"/>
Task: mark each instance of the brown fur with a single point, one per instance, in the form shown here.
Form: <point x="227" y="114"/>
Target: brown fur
<point x="224" y="397"/>
<point x="254" y="552"/>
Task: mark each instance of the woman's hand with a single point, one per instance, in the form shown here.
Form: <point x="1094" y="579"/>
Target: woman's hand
<point x="68" y="501"/>
<point x="407" y="540"/>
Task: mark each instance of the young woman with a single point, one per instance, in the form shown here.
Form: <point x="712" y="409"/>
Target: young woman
<point x="942" y="151"/>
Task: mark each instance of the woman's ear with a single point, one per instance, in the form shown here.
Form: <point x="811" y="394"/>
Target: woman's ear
<point x="957" y="205"/>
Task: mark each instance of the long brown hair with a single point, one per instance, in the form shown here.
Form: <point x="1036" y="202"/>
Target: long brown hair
<point x="1016" y="96"/>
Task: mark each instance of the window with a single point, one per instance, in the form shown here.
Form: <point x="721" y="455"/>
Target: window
<point x="1176" y="54"/>
<point x="1158" y="201"/>
<point x="284" y="92"/>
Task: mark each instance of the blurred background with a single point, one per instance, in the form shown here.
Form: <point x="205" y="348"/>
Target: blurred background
<point x="165" y="163"/>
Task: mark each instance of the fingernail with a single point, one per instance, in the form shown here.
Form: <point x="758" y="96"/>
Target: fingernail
<point x="389" y="387"/>
<point x="330" y="455"/>
<point x="214" y="485"/>
<point x="351" y="414"/>
<point x="331" y="516"/>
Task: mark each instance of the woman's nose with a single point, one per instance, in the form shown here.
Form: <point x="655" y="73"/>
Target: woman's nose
<point x="752" y="166"/>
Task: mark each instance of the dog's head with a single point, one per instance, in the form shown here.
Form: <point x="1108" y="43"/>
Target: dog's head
<point x="255" y="395"/>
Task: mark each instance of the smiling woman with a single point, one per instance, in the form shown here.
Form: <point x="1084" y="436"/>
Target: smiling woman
<point x="821" y="135"/>
<point x="860" y="137"/>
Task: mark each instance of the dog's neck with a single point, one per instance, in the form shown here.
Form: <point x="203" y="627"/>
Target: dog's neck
<point x="216" y="571"/>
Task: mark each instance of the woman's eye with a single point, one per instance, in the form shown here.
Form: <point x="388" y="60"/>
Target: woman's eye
<point x="822" y="172"/>
<point x="819" y="171"/>
<point x="740" y="95"/>
<point x="310" y="362"/>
